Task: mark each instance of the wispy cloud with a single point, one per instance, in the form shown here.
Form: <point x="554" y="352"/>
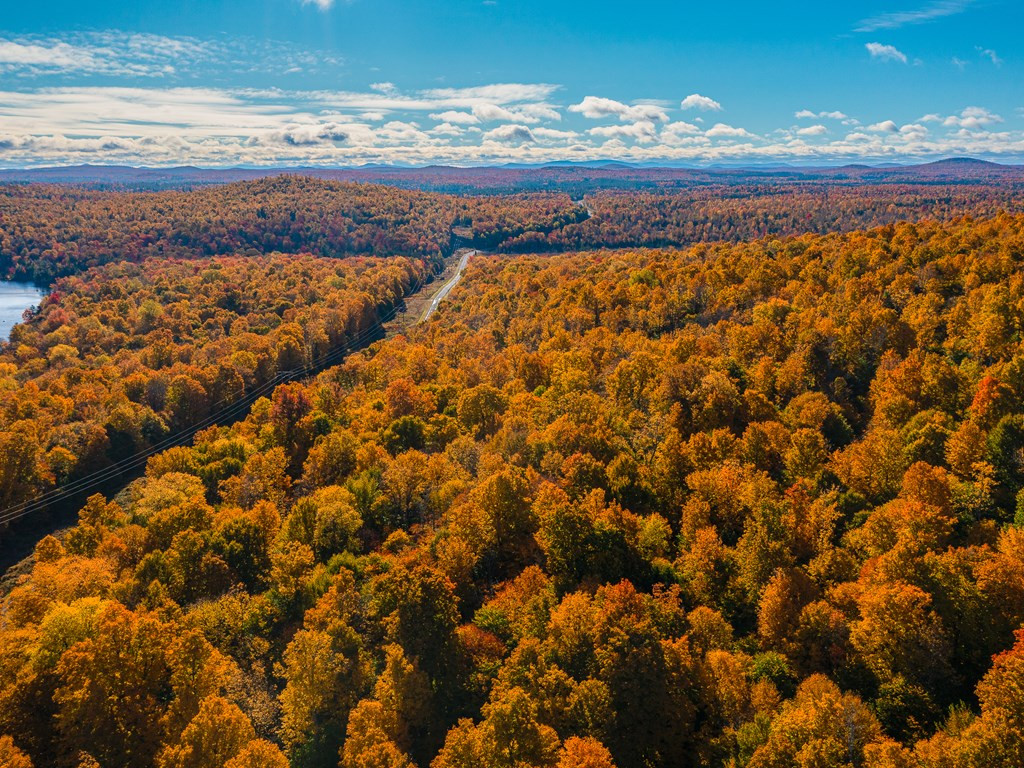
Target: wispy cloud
<point x="886" y="52"/>
<point x="59" y="56"/>
<point x="102" y="53"/>
<point x="114" y="53"/>
<point x="930" y="12"/>
<point x="323" y="5"/>
<point x="988" y="53"/>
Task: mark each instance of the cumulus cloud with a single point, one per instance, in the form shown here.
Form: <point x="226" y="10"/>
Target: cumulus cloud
<point x="306" y="135"/>
<point x="492" y="113"/>
<point x="696" y="101"/>
<point x="522" y="113"/>
<point x="813" y="130"/>
<point x="886" y="52"/>
<point x="642" y="131"/>
<point x="913" y="132"/>
<point x="596" y="108"/>
<point x="931" y="12"/>
<point x="510" y="133"/>
<point x="809" y="115"/>
<point x="447" y="129"/>
<point x="723" y="131"/>
<point x="538" y="111"/>
<point x="886" y="126"/>
<point x="553" y="134"/>
<point x="681" y="128"/>
<point x="451" y="116"/>
<point x="973" y="119"/>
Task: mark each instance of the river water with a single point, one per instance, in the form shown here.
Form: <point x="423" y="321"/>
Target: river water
<point x="15" y="298"/>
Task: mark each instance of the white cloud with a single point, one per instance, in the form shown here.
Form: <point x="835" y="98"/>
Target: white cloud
<point x="930" y="12"/>
<point x="552" y="134"/>
<point x="991" y="55"/>
<point x="696" y="101"/>
<point x="538" y="111"/>
<point x="813" y="130"/>
<point x="451" y="116"/>
<point x="313" y="134"/>
<point x="886" y="52"/>
<point x="323" y="5"/>
<point x="499" y="93"/>
<point x="230" y="127"/>
<point x="492" y="113"/>
<point x="642" y="131"/>
<point x="913" y="132"/>
<point x="681" y="128"/>
<point x="596" y="108"/>
<point x="723" y="131"/>
<point x="510" y="133"/>
<point x="60" y="56"/>
<point x="806" y="114"/>
<point x="447" y="129"/>
<point x="141" y="55"/>
<point x="973" y="119"/>
<point x="520" y="113"/>
<point x="102" y="53"/>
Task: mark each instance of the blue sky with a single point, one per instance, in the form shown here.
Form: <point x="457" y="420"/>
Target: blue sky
<point x="348" y="82"/>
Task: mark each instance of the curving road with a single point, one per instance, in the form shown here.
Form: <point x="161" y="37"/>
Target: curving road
<point x="582" y="202"/>
<point x="447" y="287"/>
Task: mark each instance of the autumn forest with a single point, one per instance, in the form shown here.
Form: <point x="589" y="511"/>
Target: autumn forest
<point x="723" y="474"/>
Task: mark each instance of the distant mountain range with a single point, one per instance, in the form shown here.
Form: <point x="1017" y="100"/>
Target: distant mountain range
<point x="553" y="175"/>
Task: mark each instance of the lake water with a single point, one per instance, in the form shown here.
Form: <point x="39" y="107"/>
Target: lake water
<point x="15" y="298"/>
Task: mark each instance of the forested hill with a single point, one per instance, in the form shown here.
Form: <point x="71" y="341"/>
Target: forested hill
<point x="750" y="505"/>
<point x="50" y="231"/>
<point x="510" y="178"/>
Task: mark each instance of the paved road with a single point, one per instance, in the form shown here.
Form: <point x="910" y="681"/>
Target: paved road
<point x="586" y="206"/>
<point x="447" y="287"/>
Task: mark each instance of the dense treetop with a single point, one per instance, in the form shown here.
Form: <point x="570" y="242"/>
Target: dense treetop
<point x="50" y="231"/>
<point x="745" y="211"/>
<point x="127" y="355"/>
<point x="738" y="505"/>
